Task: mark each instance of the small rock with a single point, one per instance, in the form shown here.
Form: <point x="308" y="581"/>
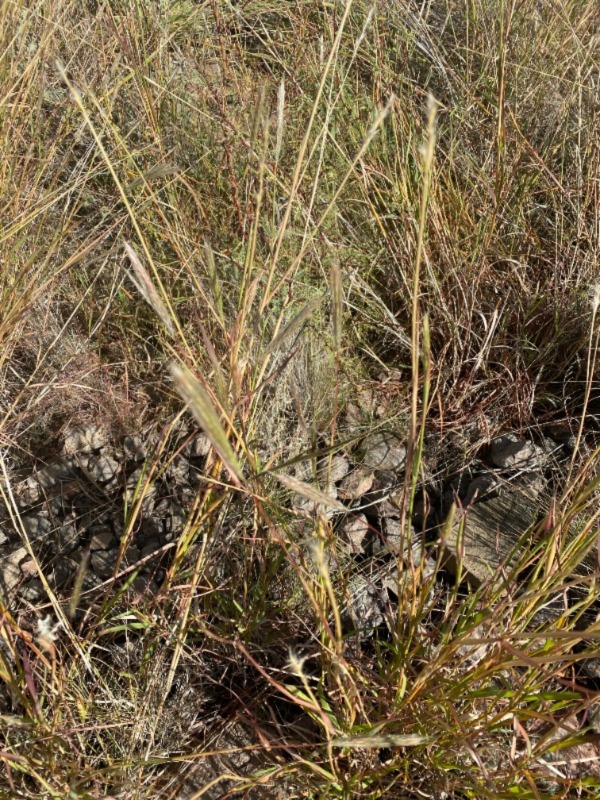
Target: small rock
<point x="57" y="506"/>
<point x="84" y="440"/>
<point x="95" y="516"/>
<point x="33" y="490"/>
<point x="386" y="482"/>
<point x="363" y="610"/>
<point x="357" y="530"/>
<point x="29" y="493"/>
<point x="355" y="419"/>
<point x="103" y="562"/>
<point x="102" y="537"/>
<point x="390" y="580"/>
<point x="340" y="466"/>
<point x="37" y="526"/>
<point x="390" y="375"/>
<point x="391" y="506"/>
<point x="57" y="473"/>
<point x="383" y="450"/>
<point x="200" y="446"/>
<point x="511" y="452"/>
<point x="132" y="555"/>
<point x="571" y="443"/>
<point x="152" y="526"/>
<point x="143" y="584"/>
<point x="179" y="470"/>
<point x="134" y="449"/>
<point x="483" y="487"/>
<point x="80" y="554"/>
<point x="592" y="667"/>
<point x="68" y="535"/>
<point x="550" y="447"/>
<point x="303" y="470"/>
<point x="10" y="569"/>
<point x="150" y="547"/>
<point x="28" y="567"/>
<point x="90" y="580"/>
<point x="102" y="469"/>
<point x="32" y="591"/>
<point x="356" y="484"/>
<point x="135" y="482"/>
<point x="169" y="518"/>
<point x="187" y="495"/>
<point x="594" y="718"/>
<point x="390" y="540"/>
<point x="385" y="495"/>
<point x="61" y="572"/>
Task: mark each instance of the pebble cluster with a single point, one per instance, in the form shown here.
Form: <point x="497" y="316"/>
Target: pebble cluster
<point x="74" y="511"/>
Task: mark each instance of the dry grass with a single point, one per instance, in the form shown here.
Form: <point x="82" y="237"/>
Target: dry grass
<point x="235" y="196"/>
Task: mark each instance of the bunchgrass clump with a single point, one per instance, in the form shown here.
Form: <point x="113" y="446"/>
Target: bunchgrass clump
<point x="256" y="217"/>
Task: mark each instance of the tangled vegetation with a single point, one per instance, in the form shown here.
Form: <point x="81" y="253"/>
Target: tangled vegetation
<point x="247" y="215"/>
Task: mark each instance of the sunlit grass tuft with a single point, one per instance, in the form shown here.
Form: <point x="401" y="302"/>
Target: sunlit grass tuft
<point x="306" y="235"/>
